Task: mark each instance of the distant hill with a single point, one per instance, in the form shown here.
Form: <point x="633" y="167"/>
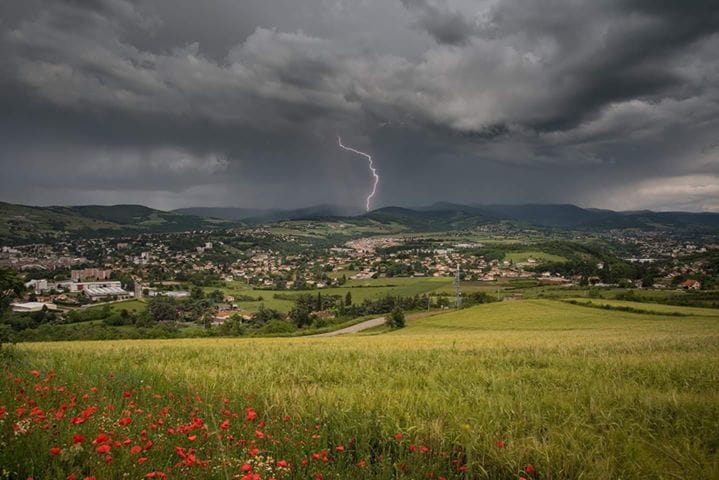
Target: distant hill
<point x="446" y="216"/>
<point x="20" y="223"/>
<point x="259" y="216"/>
<point x="440" y="218"/>
<point x="562" y="215"/>
<point x="23" y="224"/>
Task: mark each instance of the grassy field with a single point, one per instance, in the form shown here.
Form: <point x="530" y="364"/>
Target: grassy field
<point x="519" y="257"/>
<point x="646" y="307"/>
<point x="136" y="306"/>
<point x="531" y="388"/>
<point x="360" y="289"/>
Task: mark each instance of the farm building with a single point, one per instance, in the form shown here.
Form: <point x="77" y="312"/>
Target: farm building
<point x="691" y="285"/>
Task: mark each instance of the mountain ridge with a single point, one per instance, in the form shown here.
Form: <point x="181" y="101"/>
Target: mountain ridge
<point x="33" y="223"/>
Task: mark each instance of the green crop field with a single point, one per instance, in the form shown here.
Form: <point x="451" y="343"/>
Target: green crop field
<point x="360" y="290"/>
<point x="523" y="256"/>
<point x="539" y="389"/>
<point x="129" y="305"/>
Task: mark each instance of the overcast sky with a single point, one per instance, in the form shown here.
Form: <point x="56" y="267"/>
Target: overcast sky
<point x="176" y="103"/>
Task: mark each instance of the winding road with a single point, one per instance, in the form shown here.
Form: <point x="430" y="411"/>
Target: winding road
<point x="358" y="327"/>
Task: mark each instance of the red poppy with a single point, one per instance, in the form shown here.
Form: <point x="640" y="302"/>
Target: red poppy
<point x="250" y="414"/>
<point x="55" y="451"/>
<point x="103" y="449"/>
<point x="77" y="439"/>
<point x="282" y="464"/>
<point x="530" y="469"/>
<point x="340" y="448"/>
<point x="246" y="467"/>
<point x="125" y="421"/>
<point x="135" y="449"/>
<point x="225" y="425"/>
<point x="500" y="444"/>
<point x="398" y="436"/>
<point x="156" y="475"/>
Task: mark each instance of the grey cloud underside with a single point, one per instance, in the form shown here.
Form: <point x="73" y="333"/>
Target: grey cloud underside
<point x="239" y="103"/>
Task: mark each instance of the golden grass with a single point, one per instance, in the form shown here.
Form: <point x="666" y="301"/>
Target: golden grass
<point x="578" y="392"/>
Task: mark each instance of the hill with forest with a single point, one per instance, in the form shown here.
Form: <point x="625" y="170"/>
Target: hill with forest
<point x="20" y="223"/>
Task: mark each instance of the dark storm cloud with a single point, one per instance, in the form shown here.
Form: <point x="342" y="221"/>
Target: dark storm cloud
<point x="239" y="103"/>
<point x="445" y="25"/>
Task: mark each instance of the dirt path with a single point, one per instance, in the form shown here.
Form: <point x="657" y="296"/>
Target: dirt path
<point x="375" y="322"/>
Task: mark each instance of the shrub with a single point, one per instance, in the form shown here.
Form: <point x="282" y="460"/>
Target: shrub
<point x="396" y="318"/>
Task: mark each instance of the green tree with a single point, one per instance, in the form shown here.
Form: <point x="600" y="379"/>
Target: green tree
<point x="396" y="318"/>
<point x="264" y="315"/>
<point x="217" y="296"/>
<point x="11" y="287"/>
<point x="196" y="293"/>
<point x="300" y="312"/>
<point x="162" y="309"/>
<point x="348" y="299"/>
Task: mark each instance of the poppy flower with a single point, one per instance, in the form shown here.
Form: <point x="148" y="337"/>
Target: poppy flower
<point x="398" y="436"/>
<point x="530" y="469"/>
<point x="77" y="439"/>
<point x="246" y="467"/>
<point x="125" y="421"/>
<point x="225" y="425"/>
<point x="55" y="451"/>
<point x="340" y="448"/>
<point x="282" y="464"/>
<point x="156" y="475"/>
<point x="135" y="449"/>
<point x="103" y="449"/>
<point x="500" y="444"/>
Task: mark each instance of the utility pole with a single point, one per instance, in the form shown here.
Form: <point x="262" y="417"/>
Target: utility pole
<point x="457" y="292"/>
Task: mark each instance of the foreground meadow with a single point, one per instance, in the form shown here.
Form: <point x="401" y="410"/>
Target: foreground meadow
<point x="528" y="389"/>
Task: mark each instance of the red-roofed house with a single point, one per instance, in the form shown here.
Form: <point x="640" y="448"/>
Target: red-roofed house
<point x="691" y="284"/>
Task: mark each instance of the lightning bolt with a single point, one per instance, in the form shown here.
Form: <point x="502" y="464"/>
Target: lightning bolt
<point x="371" y="169"/>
